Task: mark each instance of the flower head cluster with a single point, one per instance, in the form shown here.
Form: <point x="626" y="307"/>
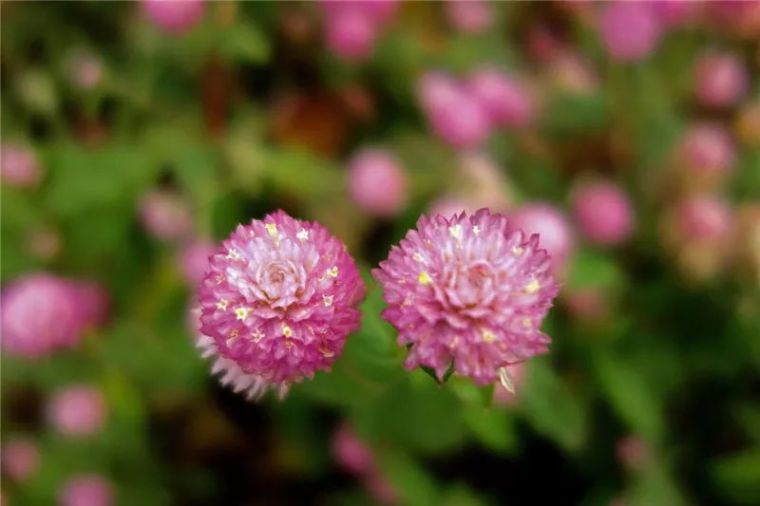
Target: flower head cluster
<point x="277" y="303"/>
<point x="630" y="31"/>
<point x="377" y="182"/>
<point x="468" y="292"/>
<point x="42" y="313"/>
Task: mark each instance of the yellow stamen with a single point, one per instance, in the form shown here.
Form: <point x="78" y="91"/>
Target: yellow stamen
<point x="424" y="278"/>
<point x="532" y="287"/>
<point x="488" y="336"/>
<point x="287" y="331"/>
<point x="241" y="313"/>
<point x="222" y="304"/>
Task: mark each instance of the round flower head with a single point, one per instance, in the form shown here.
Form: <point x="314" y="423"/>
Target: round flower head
<point x="707" y="150"/>
<point x="721" y="80"/>
<point x="18" y="166"/>
<point x="469" y="16"/>
<point x="505" y="101"/>
<point x="468" y="293"/>
<point x="86" y="490"/>
<point x="377" y="183"/>
<point x="703" y="218"/>
<point x="20" y="458"/>
<point x="604" y="213"/>
<point x="77" y="411"/>
<point x="277" y="303"/>
<point x="551" y="226"/>
<point x="630" y="31"/>
<point x="351" y="34"/>
<point x="165" y="215"/>
<point x="174" y="16"/>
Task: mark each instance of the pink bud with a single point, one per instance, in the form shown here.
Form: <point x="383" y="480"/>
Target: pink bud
<point x="194" y="260"/>
<point x="603" y="213"/>
<point x="20" y="458"/>
<point x="77" y="411"/>
<point x="505" y="101"/>
<point x="377" y="183"/>
<point x="18" y="166"/>
<point x="703" y="217"/>
<point x="165" y="215"/>
<point x="469" y="16"/>
<point x="86" y="70"/>
<point x="380" y="489"/>
<point x="551" y="226"/>
<point x="721" y="79"/>
<point x="707" y="149"/>
<point x="350" y="452"/>
<point x="351" y="34"/>
<point x="632" y="452"/>
<point x="629" y="30"/>
<point x="174" y="16"/>
<point x="86" y="490"/>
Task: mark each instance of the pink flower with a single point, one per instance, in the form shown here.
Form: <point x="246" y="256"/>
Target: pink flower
<point x="20" y="458"/>
<point x="454" y="115"/>
<point x="350" y="452"/>
<point x="630" y="30"/>
<point x="86" y="490"/>
<point x="707" y="149"/>
<point x="469" y="16"/>
<point x="673" y="13"/>
<point x="377" y="182"/>
<point x="721" y="79"/>
<point x="18" y="166"/>
<point x="278" y="301"/>
<point x="632" y="451"/>
<point x="194" y="260"/>
<point x="603" y="213"/>
<point x="504" y="100"/>
<point x="703" y="218"/>
<point x="85" y="70"/>
<point x="174" y="16"/>
<point x="77" y="411"/>
<point x="353" y="26"/>
<point x="165" y="215"/>
<point x="42" y="313"/>
<point x="552" y="228"/>
<point x="468" y="293"/>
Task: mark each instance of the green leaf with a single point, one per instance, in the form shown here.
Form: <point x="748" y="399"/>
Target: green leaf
<point x="413" y="484"/>
<point x="738" y="476"/>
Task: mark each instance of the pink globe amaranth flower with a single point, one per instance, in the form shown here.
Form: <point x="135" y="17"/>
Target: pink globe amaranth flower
<point x="194" y="260"/>
<point x="468" y="293"/>
<point x="674" y="13"/>
<point x="552" y="228"/>
<point x="165" y="215"/>
<point x="504" y="100"/>
<point x="469" y="16"/>
<point x="707" y="150"/>
<point x="351" y="34"/>
<point x="19" y="166"/>
<point x="174" y="16"/>
<point x="630" y="31"/>
<point x="86" y="490"/>
<point x="720" y="79"/>
<point x="377" y="182"/>
<point x="603" y="213"/>
<point x="632" y="451"/>
<point x="703" y="218"/>
<point x="278" y="301"/>
<point x="20" y="458"/>
<point x="454" y="115"/>
<point x="77" y="411"/>
<point x="350" y="452"/>
<point x="42" y="313"/>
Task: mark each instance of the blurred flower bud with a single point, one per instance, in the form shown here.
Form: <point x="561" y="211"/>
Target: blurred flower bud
<point x="174" y="16"/>
<point x="20" y="458"/>
<point x="748" y="124"/>
<point x="351" y="34"/>
<point x="703" y="218"/>
<point x="573" y="73"/>
<point x="629" y="30"/>
<point x="377" y="182"/>
<point x="720" y="79"/>
<point x="85" y="70"/>
<point x="706" y="152"/>
<point x="86" y="490"/>
<point x="603" y="213"/>
<point x="165" y="215"/>
<point x="194" y="260"/>
<point x="504" y="100"/>
<point x="552" y="227"/>
<point x="735" y="17"/>
<point x="77" y="411"/>
<point x="43" y="243"/>
<point x="19" y="166"/>
<point x="350" y="452"/>
<point x="469" y="16"/>
<point x="674" y="13"/>
<point x="632" y="452"/>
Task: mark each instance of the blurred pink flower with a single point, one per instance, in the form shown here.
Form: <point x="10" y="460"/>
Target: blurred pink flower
<point x="86" y="490"/>
<point x="720" y="79"/>
<point x="19" y="166"/>
<point x="632" y="451"/>
<point x="278" y="301"/>
<point x="377" y="182"/>
<point x="469" y="16"/>
<point x="703" y="218"/>
<point x="467" y="293"/>
<point x="77" y="411"/>
<point x="165" y="215"/>
<point x="707" y="149"/>
<point x="586" y="303"/>
<point x="453" y="114"/>
<point x="20" y="458"/>
<point x="194" y="260"/>
<point x="351" y="453"/>
<point x="630" y="30"/>
<point x="552" y="227"/>
<point x="352" y="26"/>
<point x="42" y="313"/>
<point x="603" y="213"/>
<point x="673" y="13"/>
<point x="85" y="70"/>
<point x="504" y="100"/>
<point x="174" y="16"/>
